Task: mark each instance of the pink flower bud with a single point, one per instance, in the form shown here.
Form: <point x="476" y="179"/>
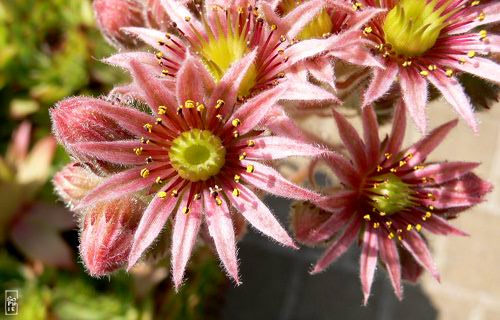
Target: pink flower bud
<point x="73" y="182"/>
<point x="73" y="121"/>
<point x="107" y="234"/>
<point x="112" y="15"/>
<point x="305" y="218"/>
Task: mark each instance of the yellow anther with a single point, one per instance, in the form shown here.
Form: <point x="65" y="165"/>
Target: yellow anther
<point x="409" y="156"/>
<point x="144" y="173"/>
<point x="274" y="27"/>
<point x="387" y="155"/>
<point x="409" y="227"/>
<point x="185" y="210"/>
<point x="219" y="117"/>
<point x="399" y="231"/>
<point x="236" y="192"/>
<point x="431" y="208"/>
<point x="236" y="134"/>
<point x="367" y="30"/>
<point x="418" y="227"/>
<point x="402" y="163"/>
<point x="475" y="3"/>
<point x="424" y="73"/>
<point x="388" y="224"/>
<point x="220" y="104"/>
<point x="236" y="122"/>
<point x="144" y="140"/>
<point x="379" y="168"/>
<point x="282" y="38"/>
<point x="428" y="214"/>
<point x="236" y="178"/>
<point x="148" y="127"/>
<point x="357" y="6"/>
<point x="449" y="73"/>
<point x="162" y="110"/>
<point x="161" y="194"/>
<point x="406" y="63"/>
<point x="165" y="72"/>
<point x="394" y="170"/>
<point x="168" y="35"/>
<point x="189" y="104"/>
<point x="432" y="67"/>
<point x="381" y="213"/>
<point x="250" y="168"/>
<point x="158" y="121"/>
<point x="471" y="54"/>
<point x="138" y="151"/>
<point x="367" y="217"/>
<point x="462" y="60"/>
<point x="218" y="201"/>
<point x="481" y="16"/>
<point x="243" y="156"/>
<point x="391" y="235"/>
<point x="483" y="34"/>
<point x="400" y="238"/>
<point x="187" y="18"/>
<point x="200" y="108"/>
<point x="174" y="193"/>
<point x="158" y="180"/>
<point x="250" y="143"/>
<point x="159" y="55"/>
<point x="376" y="225"/>
<point x="197" y="196"/>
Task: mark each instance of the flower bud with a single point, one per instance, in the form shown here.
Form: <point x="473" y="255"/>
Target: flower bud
<point x="73" y="182"/>
<point x="112" y="15"/>
<point x="107" y="234"/>
<point x="73" y="121"/>
<point x="306" y="217"/>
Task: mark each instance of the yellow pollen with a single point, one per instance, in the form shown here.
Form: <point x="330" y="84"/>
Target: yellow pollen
<point x="391" y="235"/>
<point x="237" y="178"/>
<point x="250" y="168"/>
<point x="162" y="110"/>
<point x="148" y="127"/>
<point x="475" y="3"/>
<point x="159" y="180"/>
<point x="189" y="104"/>
<point x="483" y="34"/>
<point x="376" y="225"/>
<point x="409" y="227"/>
<point x="471" y="54"/>
<point x="236" y="122"/>
<point x="138" y="151"/>
<point x="185" y="210"/>
<point x="174" y="193"/>
<point x="243" y="156"/>
<point x="218" y="201"/>
<point x="424" y="73"/>
<point x="449" y="73"/>
<point x="418" y="227"/>
<point x="387" y="156"/>
<point x="367" y="217"/>
<point x="481" y="16"/>
<point x="251" y="143"/>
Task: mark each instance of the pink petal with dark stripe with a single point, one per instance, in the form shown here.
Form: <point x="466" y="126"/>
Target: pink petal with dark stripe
<point x="368" y="261"/>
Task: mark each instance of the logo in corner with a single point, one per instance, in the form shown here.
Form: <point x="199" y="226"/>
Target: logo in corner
<point x="11" y="302"/>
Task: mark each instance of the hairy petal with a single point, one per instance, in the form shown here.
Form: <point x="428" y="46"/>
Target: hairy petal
<point x="271" y="148"/>
<point x="381" y="83"/>
<point x="442" y="172"/>
<point x="368" y="262"/>
<point x="389" y="255"/>
<point x="418" y="249"/>
<point x="414" y="89"/>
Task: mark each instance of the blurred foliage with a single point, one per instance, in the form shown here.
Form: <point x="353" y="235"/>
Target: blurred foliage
<point x="48" y="50"/>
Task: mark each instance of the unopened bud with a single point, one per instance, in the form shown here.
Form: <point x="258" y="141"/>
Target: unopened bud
<point x="73" y="182"/>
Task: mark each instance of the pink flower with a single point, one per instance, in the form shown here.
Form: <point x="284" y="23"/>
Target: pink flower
<point x="430" y="41"/>
<point x="389" y="196"/>
<point x="225" y="33"/>
<point x="196" y="157"/>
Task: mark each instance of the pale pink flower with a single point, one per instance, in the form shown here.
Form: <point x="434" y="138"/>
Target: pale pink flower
<point x="430" y="41"/>
<point x="388" y="196"/>
<point x="196" y="157"/>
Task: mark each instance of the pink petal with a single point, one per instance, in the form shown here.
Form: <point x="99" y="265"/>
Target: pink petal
<point x="337" y="248"/>
<point x="330" y="227"/>
<point x="370" y="131"/>
<point x="150" y="37"/>
<point x="155" y="91"/>
<point x="398" y="130"/>
<point x="414" y="89"/>
<point x="220" y="228"/>
<point x="424" y="147"/>
<point x="322" y="69"/>
<point x="152" y="222"/>
<point x="381" y="83"/>
<point x="453" y="92"/>
<point x="301" y="16"/>
<point x="352" y="140"/>
<point x="253" y="111"/>
<point x="259" y="216"/>
<point x="368" y="262"/>
<point x="491" y="13"/>
<point x="184" y="236"/>
<point x="484" y="68"/>
<point x="337" y="200"/>
<point x="269" y="148"/>
<point x="438" y="225"/>
<point x="119" y="152"/>
<point x="178" y="13"/>
<point x="364" y="16"/>
<point x="280" y="124"/>
<point x="389" y="255"/>
<point x="446" y="199"/>
<point x="227" y="88"/>
<point x="123" y="60"/>
<point x="190" y="85"/>
<point x="442" y="172"/>
<point x="304" y="91"/>
<point x="418" y="249"/>
<point x="269" y="180"/>
<point x="342" y="169"/>
<point x="116" y="186"/>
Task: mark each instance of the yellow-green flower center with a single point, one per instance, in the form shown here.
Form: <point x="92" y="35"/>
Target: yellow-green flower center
<point x="317" y="28"/>
<point x="413" y="26"/>
<point x="197" y="155"/>
<point x="220" y="53"/>
<point x="390" y="194"/>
